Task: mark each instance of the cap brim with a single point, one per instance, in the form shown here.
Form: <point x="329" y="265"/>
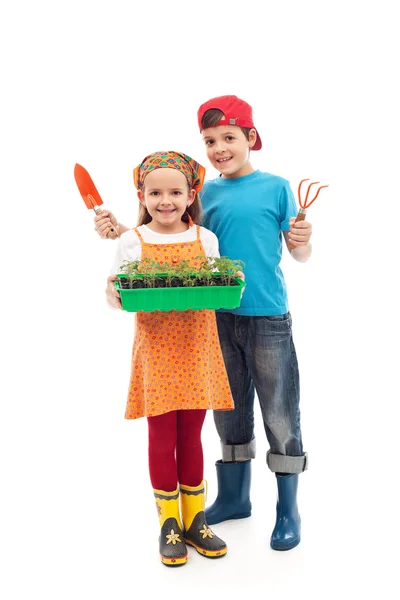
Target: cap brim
<point x="258" y="144"/>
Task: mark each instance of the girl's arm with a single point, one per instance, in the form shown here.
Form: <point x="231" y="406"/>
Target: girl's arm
<point x="128" y="248"/>
<point x="113" y="297"/>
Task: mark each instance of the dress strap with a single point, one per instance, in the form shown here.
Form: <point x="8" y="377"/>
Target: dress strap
<point x="198" y="232"/>
<point x="138" y="234"/>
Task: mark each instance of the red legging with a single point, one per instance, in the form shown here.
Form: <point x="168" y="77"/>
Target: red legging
<point x="175" y="450"/>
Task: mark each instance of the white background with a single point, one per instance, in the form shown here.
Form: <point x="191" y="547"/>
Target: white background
<point x="103" y="84"/>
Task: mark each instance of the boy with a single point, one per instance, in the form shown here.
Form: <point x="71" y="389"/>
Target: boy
<point x="249" y="210"/>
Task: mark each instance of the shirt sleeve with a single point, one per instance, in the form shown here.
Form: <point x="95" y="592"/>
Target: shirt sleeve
<point x="210" y="242"/>
<point x="129" y="248"/>
<point x="287" y="206"/>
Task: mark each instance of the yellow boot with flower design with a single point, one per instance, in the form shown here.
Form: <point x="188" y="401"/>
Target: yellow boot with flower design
<point x="196" y="531"/>
<point x="173" y="549"/>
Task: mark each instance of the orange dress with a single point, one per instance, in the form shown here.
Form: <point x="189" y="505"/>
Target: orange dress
<point x="177" y="362"/>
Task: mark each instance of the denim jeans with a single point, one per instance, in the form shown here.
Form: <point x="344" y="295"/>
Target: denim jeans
<point x="259" y="356"/>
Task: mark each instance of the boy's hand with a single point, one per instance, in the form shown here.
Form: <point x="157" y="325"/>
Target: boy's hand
<point x="113" y="297"/>
<point x="299" y="233"/>
<point x="103" y="221"/>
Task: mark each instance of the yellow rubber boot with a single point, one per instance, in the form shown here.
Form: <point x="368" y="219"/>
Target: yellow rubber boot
<point x="196" y="531"/>
<point x="173" y="549"/>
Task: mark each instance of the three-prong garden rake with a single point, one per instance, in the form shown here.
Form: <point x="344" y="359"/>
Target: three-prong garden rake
<point x="304" y="205"/>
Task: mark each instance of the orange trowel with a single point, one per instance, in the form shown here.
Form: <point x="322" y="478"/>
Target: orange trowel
<point x="90" y="195"/>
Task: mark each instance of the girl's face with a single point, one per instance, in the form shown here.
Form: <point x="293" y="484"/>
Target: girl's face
<point x="166" y="196"/>
<point x="228" y="149"/>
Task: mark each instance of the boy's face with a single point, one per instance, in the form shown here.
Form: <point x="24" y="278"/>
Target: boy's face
<point x="228" y="149"/>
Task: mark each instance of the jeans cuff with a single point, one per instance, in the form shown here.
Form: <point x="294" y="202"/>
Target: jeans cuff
<point x="239" y="452"/>
<point x="281" y="463"/>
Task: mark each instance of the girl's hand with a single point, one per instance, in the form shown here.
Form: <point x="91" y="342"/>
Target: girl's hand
<point x="113" y="297"/>
<point x="240" y="275"/>
<point x="299" y="233"/>
<point x="103" y="221"/>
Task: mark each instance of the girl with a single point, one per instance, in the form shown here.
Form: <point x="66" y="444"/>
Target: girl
<point x="177" y="367"/>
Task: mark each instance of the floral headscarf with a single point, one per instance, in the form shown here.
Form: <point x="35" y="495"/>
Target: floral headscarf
<point x="191" y="169"/>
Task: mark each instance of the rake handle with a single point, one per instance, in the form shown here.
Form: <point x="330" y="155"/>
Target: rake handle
<point x="301" y="215"/>
<point x="112" y="234"/>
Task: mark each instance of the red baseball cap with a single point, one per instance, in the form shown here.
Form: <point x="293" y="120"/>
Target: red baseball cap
<point x="236" y="112"/>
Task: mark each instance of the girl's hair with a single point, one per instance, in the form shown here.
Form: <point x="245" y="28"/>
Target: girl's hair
<point x="212" y="118"/>
<point x="195" y="210"/>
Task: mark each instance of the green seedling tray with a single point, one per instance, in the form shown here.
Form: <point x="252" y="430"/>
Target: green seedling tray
<point x="180" y="298"/>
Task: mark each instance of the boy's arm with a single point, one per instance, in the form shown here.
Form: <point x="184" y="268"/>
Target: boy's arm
<point x="299" y="236"/>
<point x="103" y="221"/>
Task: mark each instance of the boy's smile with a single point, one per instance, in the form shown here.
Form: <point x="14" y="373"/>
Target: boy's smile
<point x="224" y="159"/>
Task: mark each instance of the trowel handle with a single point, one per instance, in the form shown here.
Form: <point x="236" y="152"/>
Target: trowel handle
<point x="112" y="234"/>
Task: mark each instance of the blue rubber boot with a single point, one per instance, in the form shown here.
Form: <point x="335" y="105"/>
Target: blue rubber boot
<point x="233" y="499"/>
<point x="286" y="534"/>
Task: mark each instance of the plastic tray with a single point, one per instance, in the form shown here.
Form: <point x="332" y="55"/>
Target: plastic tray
<point x="180" y="298"/>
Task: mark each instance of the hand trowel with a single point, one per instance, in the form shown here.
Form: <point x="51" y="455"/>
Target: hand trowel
<point x="90" y="195"/>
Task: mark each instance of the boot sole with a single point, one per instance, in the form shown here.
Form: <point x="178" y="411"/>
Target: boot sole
<point x="211" y="521"/>
<point x="284" y="547"/>
<point x="174" y="562"/>
<point x="208" y="553"/>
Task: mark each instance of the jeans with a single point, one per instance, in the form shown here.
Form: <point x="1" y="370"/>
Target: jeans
<point x="260" y="356"/>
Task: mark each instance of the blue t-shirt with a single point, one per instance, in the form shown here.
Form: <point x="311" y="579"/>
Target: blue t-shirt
<point x="248" y="215"/>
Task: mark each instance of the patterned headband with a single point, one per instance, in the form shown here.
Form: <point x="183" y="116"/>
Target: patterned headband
<point x="191" y="169"/>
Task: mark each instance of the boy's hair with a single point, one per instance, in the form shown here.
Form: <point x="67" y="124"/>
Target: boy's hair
<point x="195" y="211"/>
<point x="228" y="110"/>
<point x="214" y="116"/>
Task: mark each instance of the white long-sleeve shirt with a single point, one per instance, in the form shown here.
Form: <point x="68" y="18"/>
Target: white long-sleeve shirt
<point x="129" y="246"/>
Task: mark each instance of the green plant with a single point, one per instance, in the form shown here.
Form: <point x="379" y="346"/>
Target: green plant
<point x="185" y="272"/>
<point x="149" y="270"/>
<point x="131" y="270"/>
<point x="206" y="269"/>
<point x="210" y="268"/>
<point x="227" y="268"/>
